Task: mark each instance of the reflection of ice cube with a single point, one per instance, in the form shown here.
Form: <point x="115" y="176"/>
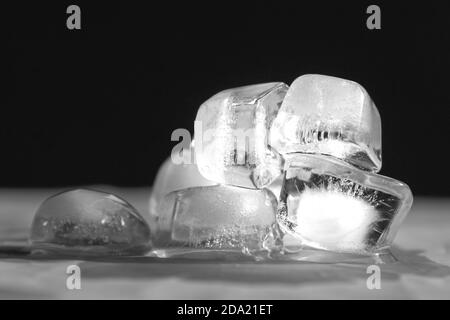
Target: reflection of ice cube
<point x="234" y="132"/>
<point x="331" y="116"/>
<point x="172" y="177"/>
<point x="216" y="217"/>
<point x="89" y="222"/>
<point x="328" y="204"/>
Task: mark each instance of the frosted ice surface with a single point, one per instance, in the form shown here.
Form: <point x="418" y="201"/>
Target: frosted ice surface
<point x="216" y="217"/>
<point x="331" y="116"/>
<point x="328" y="204"/>
<point x="89" y="222"/>
<point x="234" y="136"/>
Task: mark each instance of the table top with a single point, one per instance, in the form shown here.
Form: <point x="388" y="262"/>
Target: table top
<point x="422" y="271"/>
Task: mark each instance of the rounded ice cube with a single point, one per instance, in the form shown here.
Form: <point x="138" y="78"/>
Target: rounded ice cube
<point x="87" y="222"/>
<point x="331" y="116"/>
<point x="172" y="177"/>
<point x="216" y="217"/>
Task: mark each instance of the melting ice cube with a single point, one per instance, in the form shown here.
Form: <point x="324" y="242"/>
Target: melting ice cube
<point x="327" y="204"/>
<point x="89" y="222"/>
<point x="172" y="177"/>
<point x="217" y="217"/>
<point x="232" y="136"/>
<point x="330" y="116"/>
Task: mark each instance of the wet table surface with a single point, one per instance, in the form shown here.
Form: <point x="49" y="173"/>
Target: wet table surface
<point x="422" y="271"/>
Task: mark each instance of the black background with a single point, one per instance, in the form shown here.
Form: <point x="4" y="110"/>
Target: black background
<point x="98" y="105"/>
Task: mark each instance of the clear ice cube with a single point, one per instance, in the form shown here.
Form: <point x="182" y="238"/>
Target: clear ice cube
<point x="276" y="186"/>
<point x="232" y="141"/>
<point x="172" y="177"/>
<point x="331" y="116"/>
<point x="328" y="204"/>
<point x="87" y="222"/>
<point x="218" y="218"/>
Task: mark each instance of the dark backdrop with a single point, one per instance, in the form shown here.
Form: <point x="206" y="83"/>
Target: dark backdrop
<point x="98" y="105"/>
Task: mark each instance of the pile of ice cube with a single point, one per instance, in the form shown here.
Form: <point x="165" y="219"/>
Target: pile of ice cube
<point x="277" y="169"/>
<point x="320" y="140"/>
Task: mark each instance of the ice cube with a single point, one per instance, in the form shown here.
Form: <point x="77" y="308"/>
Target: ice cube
<point x="276" y="186"/>
<point x="172" y="177"/>
<point x="87" y="222"/>
<point x="328" y="204"/>
<point x="217" y="217"/>
<point x="232" y="136"/>
<point x="331" y="116"/>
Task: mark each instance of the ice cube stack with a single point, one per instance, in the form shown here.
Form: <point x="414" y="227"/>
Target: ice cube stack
<point x="223" y="203"/>
<point x="329" y="131"/>
<point x="321" y="137"/>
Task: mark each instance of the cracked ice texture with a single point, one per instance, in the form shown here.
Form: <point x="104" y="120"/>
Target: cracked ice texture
<point x="216" y="217"/>
<point x="331" y="116"/>
<point x="87" y="222"/>
<point x="328" y="204"/>
<point x="232" y="147"/>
